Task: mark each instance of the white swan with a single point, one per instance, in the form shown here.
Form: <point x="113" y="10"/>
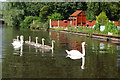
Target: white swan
<point x="31" y="43"/>
<point x="28" y="42"/>
<point x="18" y="44"/>
<point x="75" y="54"/>
<point x="16" y="39"/>
<point x="48" y="47"/>
<point x="37" y="44"/>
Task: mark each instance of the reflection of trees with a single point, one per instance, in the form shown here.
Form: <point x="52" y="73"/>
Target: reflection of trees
<point x="57" y="66"/>
<point x="97" y="65"/>
<point x="62" y="39"/>
<point x="54" y="35"/>
<point x="75" y="42"/>
<point x="103" y="65"/>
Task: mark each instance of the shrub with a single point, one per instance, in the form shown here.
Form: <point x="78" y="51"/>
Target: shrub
<point x="69" y="27"/>
<point x="80" y="28"/>
<point x="90" y="15"/>
<point x="119" y="22"/>
<point x="102" y="18"/>
<point x="46" y="25"/>
<point x="37" y="25"/>
<point x="110" y="27"/>
<point x="27" y="21"/>
<point x="55" y="17"/>
<point x="97" y="26"/>
<point x="43" y="14"/>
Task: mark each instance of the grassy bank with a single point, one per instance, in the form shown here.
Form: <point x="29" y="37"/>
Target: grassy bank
<point x="88" y="30"/>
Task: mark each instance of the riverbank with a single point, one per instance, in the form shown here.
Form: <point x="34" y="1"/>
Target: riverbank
<point x="97" y="36"/>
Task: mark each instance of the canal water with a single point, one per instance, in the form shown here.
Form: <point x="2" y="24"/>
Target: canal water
<point x="102" y="59"/>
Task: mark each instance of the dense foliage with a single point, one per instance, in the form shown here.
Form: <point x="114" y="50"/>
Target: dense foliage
<point x="97" y="26"/>
<point x="110" y="27"/>
<point x="27" y="21"/>
<point x="56" y="16"/>
<point x="119" y="22"/>
<point x="102" y="18"/>
<point x="90" y="15"/>
<point x="43" y="13"/>
<point x="13" y="17"/>
<point x="16" y="12"/>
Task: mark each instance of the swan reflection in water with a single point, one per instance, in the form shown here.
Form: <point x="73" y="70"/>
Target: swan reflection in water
<point x="83" y="63"/>
<point x="75" y="54"/>
<point x="20" y="52"/>
<point x="46" y="50"/>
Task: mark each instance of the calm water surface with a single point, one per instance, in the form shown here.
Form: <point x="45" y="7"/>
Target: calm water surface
<point x="102" y="59"/>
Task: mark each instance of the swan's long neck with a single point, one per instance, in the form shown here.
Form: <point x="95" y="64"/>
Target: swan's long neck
<point x="29" y="39"/>
<point x="67" y="51"/>
<point x="52" y="44"/>
<point x="17" y="38"/>
<point x="83" y="49"/>
<point x="21" y="40"/>
<point x="36" y="41"/>
<point x="42" y="42"/>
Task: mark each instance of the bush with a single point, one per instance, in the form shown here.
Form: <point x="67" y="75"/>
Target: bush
<point x="97" y="26"/>
<point x="69" y="27"/>
<point x="102" y="18"/>
<point x="37" y="25"/>
<point x="80" y="28"/>
<point x="110" y="27"/>
<point x="119" y="22"/>
<point x="46" y="25"/>
<point x="44" y="12"/>
<point x="90" y="15"/>
<point x="27" y="21"/>
<point x="55" y="17"/>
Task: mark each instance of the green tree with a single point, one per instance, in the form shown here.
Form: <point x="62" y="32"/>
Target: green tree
<point x="55" y="17"/>
<point x="12" y="17"/>
<point x="102" y="18"/>
<point x="66" y="8"/>
<point x="43" y="9"/>
<point x="43" y="13"/>
<point x="90" y="15"/>
<point x="110" y="8"/>
<point x="110" y="27"/>
<point x="28" y="20"/>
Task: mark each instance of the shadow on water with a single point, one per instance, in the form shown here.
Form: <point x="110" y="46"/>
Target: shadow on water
<point x="102" y="59"/>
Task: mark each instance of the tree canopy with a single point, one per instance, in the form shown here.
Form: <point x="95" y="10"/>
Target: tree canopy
<point x="102" y="18"/>
<point x="55" y="17"/>
<point x="15" y="12"/>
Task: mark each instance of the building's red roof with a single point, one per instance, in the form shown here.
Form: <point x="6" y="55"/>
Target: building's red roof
<point x="76" y="13"/>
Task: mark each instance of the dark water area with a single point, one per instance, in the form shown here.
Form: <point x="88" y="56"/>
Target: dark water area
<point x="102" y="59"/>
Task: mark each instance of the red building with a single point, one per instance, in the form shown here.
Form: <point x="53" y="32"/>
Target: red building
<point x="78" y="18"/>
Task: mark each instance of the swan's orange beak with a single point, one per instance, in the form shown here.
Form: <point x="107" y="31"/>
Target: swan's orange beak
<point x="85" y="44"/>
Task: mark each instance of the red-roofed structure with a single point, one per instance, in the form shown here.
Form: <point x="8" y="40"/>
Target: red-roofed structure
<point x="76" y="13"/>
<point x="78" y="18"/>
